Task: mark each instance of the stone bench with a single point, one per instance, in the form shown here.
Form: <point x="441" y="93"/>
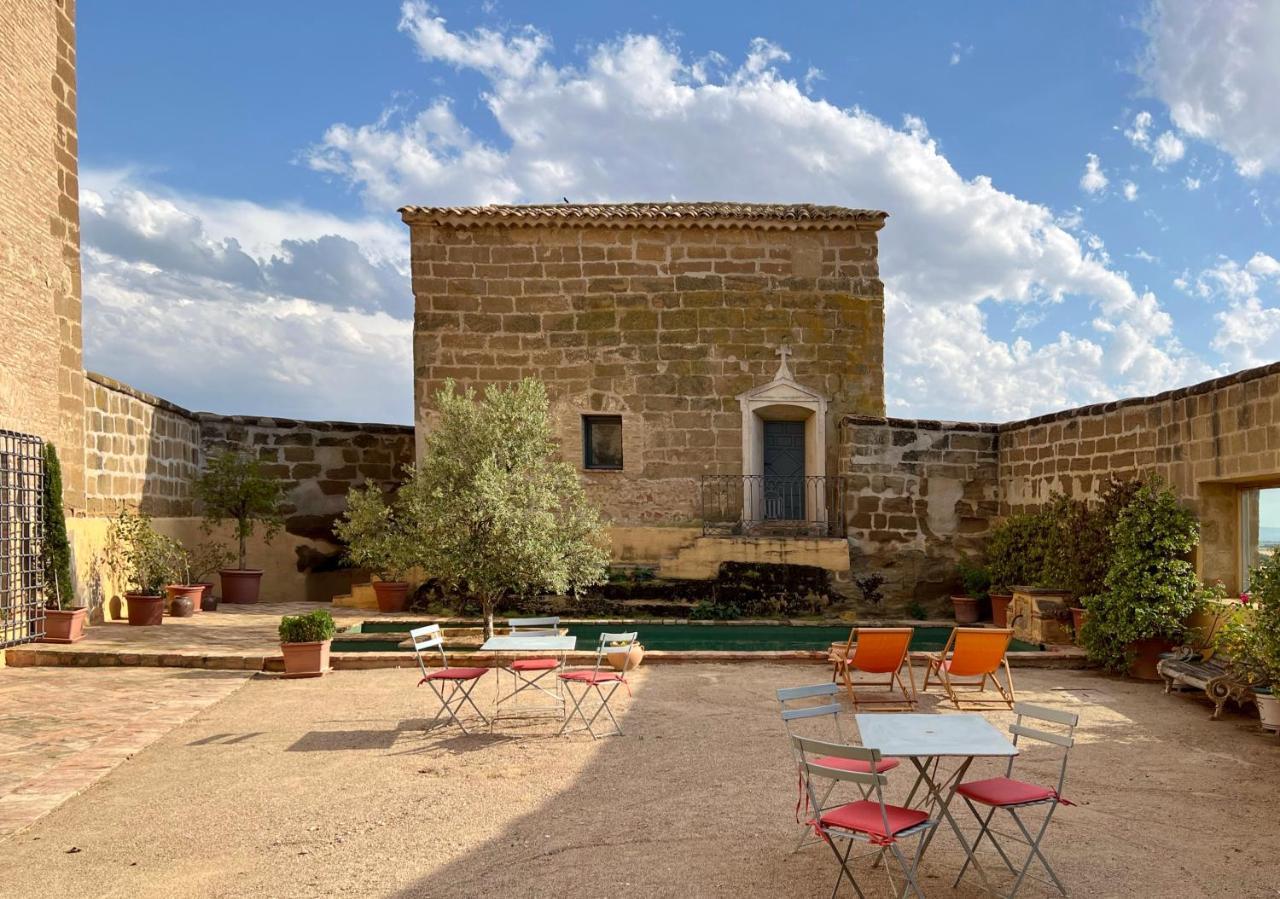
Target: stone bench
<point x="1185" y="670"/>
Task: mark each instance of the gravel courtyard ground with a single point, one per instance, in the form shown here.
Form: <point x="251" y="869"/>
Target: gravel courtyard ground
<point x="330" y="787"/>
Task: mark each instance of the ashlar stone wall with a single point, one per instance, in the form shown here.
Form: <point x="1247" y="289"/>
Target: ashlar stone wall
<point x="662" y="318"/>
<point x="41" y="382"/>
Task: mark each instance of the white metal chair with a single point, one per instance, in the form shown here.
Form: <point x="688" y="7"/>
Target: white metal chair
<point x="596" y="679"/>
<point x="1013" y="795"/>
<point x="539" y="668"/>
<point x="461" y="681"/>
<point x="869" y="820"/>
<point x="826" y="695"/>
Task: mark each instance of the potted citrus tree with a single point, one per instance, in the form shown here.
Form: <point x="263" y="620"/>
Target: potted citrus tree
<point x="184" y="596"/>
<point x="234" y="488"/>
<point x="1150" y="589"/>
<point x="378" y="538"/>
<point x="976" y="581"/>
<point x="62" y="622"/>
<point x="141" y="562"/>
<point x="304" y="643"/>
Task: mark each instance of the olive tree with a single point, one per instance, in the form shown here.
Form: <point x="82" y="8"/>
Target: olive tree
<point x="495" y="510"/>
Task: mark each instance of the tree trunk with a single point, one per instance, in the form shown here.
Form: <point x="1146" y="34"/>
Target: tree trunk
<point x="489" y="603"/>
<point x="242" y="551"/>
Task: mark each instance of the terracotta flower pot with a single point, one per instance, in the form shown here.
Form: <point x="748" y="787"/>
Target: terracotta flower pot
<point x="208" y="602"/>
<point x="1000" y="608"/>
<point x="184" y="599"/>
<point x="144" y="610"/>
<point x="1078" y="616"/>
<point x="632" y="659"/>
<point x="240" y="585"/>
<point x="966" y="609"/>
<point x="63" y="625"/>
<point x="1146" y="655"/>
<point x="392" y="596"/>
<point x="305" y="659"/>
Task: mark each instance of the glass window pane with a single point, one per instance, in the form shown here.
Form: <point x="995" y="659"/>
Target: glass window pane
<point x="603" y="442"/>
<point x="1259" y="526"/>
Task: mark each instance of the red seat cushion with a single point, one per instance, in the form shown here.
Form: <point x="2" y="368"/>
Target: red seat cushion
<point x="456" y="674"/>
<point x="593" y="677"/>
<point x="830" y="761"/>
<point x="534" y="664"/>
<point x="864" y="816"/>
<point x="1001" y="791"/>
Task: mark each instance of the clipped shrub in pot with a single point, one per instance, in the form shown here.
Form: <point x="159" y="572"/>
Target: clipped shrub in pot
<point x="304" y="643"/>
<point x="141" y="561"/>
<point x="379" y="538"/>
<point x="1150" y="589"/>
<point x="976" y="582"/>
<point x="234" y="488"/>
<point x="62" y="622"/>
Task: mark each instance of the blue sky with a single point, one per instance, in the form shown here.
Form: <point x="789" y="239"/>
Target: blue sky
<point x="1081" y="194"/>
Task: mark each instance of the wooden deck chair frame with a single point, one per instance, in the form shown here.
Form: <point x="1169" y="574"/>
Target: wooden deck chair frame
<point x="872" y="787"/>
<point x="878" y="650"/>
<point x="1028" y="726"/>
<point x="958" y="664"/>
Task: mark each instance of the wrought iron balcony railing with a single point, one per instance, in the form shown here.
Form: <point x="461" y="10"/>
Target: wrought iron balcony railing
<point x="765" y="505"/>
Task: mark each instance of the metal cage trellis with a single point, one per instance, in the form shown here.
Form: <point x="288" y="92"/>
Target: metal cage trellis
<point x="21" y="538"/>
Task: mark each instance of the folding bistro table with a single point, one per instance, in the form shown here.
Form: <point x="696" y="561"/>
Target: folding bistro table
<point x="925" y="740"/>
<point x="529" y="643"/>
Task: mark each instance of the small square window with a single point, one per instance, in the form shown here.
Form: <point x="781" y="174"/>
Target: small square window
<point x="602" y="442"/>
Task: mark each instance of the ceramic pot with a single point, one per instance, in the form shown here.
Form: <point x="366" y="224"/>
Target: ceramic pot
<point x="240" y="585"/>
<point x="305" y="659"/>
<point x="966" y="609"/>
<point x="184" y="599"/>
<point x="632" y="659"/>
<point x="208" y="602"/>
<point x="392" y="596"/>
<point x="144" y="610"/>
<point x="1268" y="711"/>
<point x="1146" y="655"/>
<point x="63" y="625"/>
<point x="1000" y="608"/>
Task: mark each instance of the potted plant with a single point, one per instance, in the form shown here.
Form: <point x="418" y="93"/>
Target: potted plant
<point x="1250" y="639"/>
<point x="184" y="597"/>
<point x="1001" y="599"/>
<point x="205" y="561"/>
<point x="976" y="581"/>
<point x="625" y="661"/>
<point x="304" y="643"/>
<point x="62" y="623"/>
<point x="141" y="563"/>
<point x="234" y="488"/>
<point x="1150" y="589"/>
<point x="378" y="538"/>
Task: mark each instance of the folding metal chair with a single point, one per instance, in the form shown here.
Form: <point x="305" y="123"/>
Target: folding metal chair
<point x="877" y="650"/>
<point x="461" y="681"/>
<point x="791" y="713"/>
<point x="595" y="679"/>
<point x="521" y="668"/>
<point x="867" y="820"/>
<point x="974" y="652"/>
<point x="1013" y="795"/>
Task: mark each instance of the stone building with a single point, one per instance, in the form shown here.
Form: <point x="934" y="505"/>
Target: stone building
<point x="699" y="357"/>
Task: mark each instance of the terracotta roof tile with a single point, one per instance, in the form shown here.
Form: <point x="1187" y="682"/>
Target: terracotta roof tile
<point x="742" y="215"/>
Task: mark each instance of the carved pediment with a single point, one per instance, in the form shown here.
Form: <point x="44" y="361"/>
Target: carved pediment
<point x="782" y="390"/>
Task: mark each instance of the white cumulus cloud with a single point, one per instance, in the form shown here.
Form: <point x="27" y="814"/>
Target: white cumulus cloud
<point x="637" y="120"/>
<point x="1094" y="180"/>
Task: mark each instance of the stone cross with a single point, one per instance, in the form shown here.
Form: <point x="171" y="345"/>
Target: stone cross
<point x="783" y="370"/>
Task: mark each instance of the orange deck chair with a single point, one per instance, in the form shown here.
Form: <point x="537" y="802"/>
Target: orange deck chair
<point x="974" y="652"/>
<point x="876" y="650"/>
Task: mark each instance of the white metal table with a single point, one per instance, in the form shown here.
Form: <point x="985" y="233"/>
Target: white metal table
<point x="925" y="740"/>
<point x="529" y="643"/>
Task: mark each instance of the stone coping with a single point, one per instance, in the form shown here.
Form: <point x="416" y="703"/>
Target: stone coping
<point x="793" y="216"/>
<point x="783" y="622"/>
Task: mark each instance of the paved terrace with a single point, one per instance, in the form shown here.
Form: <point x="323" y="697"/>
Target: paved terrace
<point x="244" y="638"/>
<point x="330" y="787"/>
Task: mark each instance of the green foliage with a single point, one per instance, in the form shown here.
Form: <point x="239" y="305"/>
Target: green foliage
<point x="975" y="579"/>
<point x="706" y="610"/>
<point x="1016" y="549"/>
<point x="201" y="562"/>
<point x="869" y="587"/>
<point x="494" y="507"/>
<point x="1251" y="634"/>
<point x="140" y="559"/>
<point x="312" y="627"/>
<point x="234" y="488"/>
<point x="916" y="610"/>
<point x="56" y="548"/>
<point x="1150" y="588"/>
<point x="378" y="533"/>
